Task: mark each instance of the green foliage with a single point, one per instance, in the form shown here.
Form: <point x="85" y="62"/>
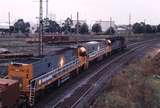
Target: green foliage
<point x="96" y="28"/>
<point x="138" y="28"/>
<point x="51" y="26"/>
<point x="11" y="29"/>
<point x="67" y="25"/>
<point x="84" y="29"/>
<point x="135" y="87"/>
<point x="21" y="26"/>
<point x="110" y="31"/>
<point x="145" y="28"/>
<point x="158" y="28"/>
<point x="154" y="29"/>
<point x="148" y="28"/>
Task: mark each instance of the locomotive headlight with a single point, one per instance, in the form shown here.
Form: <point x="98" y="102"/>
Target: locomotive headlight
<point x="39" y="82"/>
<point x="109" y="41"/>
<point x="61" y="62"/>
<point x="82" y="49"/>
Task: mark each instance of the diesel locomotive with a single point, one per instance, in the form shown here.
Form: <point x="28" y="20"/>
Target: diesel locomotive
<point x="36" y="73"/>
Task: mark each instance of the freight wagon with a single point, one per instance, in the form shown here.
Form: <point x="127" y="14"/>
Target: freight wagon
<point x="9" y="93"/>
<point x="36" y="74"/>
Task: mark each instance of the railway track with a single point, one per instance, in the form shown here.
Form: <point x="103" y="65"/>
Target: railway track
<point x="104" y="77"/>
<point x="84" y="88"/>
<point x="98" y="78"/>
<point x="39" y="84"/>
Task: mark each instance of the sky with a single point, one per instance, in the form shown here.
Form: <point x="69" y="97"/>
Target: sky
<point x="89" y="10"/>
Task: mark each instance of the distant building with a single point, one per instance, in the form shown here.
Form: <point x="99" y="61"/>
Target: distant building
<point x="124" y="29"/>
<point x="106" y="25"/>
<point x="4" y="28"/>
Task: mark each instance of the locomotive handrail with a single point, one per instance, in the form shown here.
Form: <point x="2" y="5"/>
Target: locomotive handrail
<point x="92" y="53"/>
<point x="57" y="73"/>
<point x="96" y="52"/>
<point x="58" y="70"/>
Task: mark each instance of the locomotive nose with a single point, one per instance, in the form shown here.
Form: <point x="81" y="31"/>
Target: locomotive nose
<point x="82" y="51"/>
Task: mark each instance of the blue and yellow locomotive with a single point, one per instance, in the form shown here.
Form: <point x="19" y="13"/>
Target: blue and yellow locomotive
<point x="34" y="74"/>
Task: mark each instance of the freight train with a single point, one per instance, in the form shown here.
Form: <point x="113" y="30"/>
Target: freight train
<point x="37" y="73"/>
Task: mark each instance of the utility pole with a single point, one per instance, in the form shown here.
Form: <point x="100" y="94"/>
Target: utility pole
<point x="130" y="25"/>
<point x="9" y="22"/>
<point x="77" y="22"/>
<point x="77" y="28"/>
<point x="110" y="25"/>
<point x="41" y="28"/>
<point x="144" y="21"/>
<point x="71" y="16"/>
<point x="46" y="8"/>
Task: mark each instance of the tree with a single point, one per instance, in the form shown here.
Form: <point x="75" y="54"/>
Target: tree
<point x="158" y="28"/>
<point x="148" y="28"/>
<point x="27" y="27"/>
<point x="154" y="29"/>
<point x="11" y="29"/>
<point x="145" y="28"/>
<point x="21" y="26"/>
<point x="51" y="26"/>
<point x="84" y="29"/>
<point x="110" y="31"/>
<point x="67" y="25"/>
<point x="78" y="26"/>
<point x="138" y="28"/>
<point x="96" y="28"/>
<point x="73" y="30"/>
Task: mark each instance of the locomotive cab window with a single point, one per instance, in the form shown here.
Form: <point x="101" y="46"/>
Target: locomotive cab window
<point x="17" y="64"/>
<point x="83" y="54"/>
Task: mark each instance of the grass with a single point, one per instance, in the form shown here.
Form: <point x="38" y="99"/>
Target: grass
<point x="135" y="87"/>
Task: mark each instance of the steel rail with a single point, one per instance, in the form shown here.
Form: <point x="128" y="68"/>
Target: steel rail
<point x="141" y="44"/>
<point x="101" y="69"/>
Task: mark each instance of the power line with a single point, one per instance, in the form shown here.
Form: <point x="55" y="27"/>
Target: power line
<point x="77" y="22"/>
